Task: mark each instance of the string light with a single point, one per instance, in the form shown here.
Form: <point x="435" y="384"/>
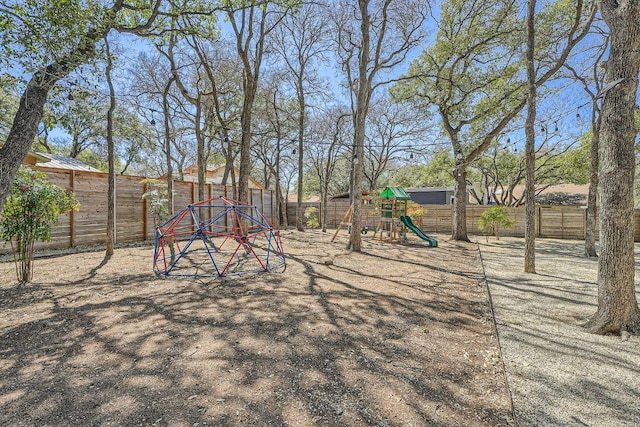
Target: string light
<point x="97" y="91"/>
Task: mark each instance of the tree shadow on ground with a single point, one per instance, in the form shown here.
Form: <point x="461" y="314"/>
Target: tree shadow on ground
<point x="386" y="338"/>
<point x="559" y="373"/>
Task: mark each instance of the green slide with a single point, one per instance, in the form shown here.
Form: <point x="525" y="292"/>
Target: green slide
<point x="407" y="221"/>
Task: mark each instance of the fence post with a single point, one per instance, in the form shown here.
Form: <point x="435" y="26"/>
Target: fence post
<point x="262" y="200"/>
<point x="72" y="215"/>
<point x="274" y="220"/>
<point x="145" y="211"/>
<point x="171" y="197"/>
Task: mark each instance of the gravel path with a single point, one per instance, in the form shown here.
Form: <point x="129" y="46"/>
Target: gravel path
<point x="559" y="375"/>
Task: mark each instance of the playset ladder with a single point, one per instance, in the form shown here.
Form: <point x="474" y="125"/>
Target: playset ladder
<point x="346" y="221"/>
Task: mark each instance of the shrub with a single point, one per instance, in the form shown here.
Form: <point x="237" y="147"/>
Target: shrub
<point x="416" y="211"/>
<point x="311" y="214"/>
<point x="158" y="199"/>
<point x="493" y="219"/>
<point x="32" y="207"/>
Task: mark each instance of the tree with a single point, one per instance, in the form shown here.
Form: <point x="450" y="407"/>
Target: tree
<point x="435" y="173"/>
<point x="392" y="128"/>
<point x="251" y="23"/>
<point x="618" y="309"/>
<point x="201" y="80"/>
<point x="376" y="41"/>
<point x="592" y="86"/>
<point x="496" y="174"/>
<point x="493" y="219"/>
<point x="82" y="117"/>
<point x="32" y="206"/>
<point x="135" y="142"/>
<point x="157" y="198"/>
<point x="224" y="76"/>
<point x="530" y="145"/>
<point x="273" y="139"/>
<point x="329" y="138"/>
<point x="300" y="40"/>
<point x="111" y="187"/>
<point x="30" y="32"/>
<point x="157" y="100"/>
<point x="8" y="104"/>
<point x="532" y="84"/>
<point x="471" y="76"/>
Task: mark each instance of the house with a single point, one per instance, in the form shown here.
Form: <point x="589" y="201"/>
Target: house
<point x="55" y="161"/>
<point x="433" y="195"/>
<point x="560" y="194"/>
<point x="32" y="159"/>
<point x="293" y="198"/>
<point x="215" y="175"/>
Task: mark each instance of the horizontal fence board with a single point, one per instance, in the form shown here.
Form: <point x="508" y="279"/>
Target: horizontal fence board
<point x="562" y="222"/>
<point x="134" y="221"/>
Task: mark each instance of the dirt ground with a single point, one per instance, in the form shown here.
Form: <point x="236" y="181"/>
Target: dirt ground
<point x="400" y="335"/>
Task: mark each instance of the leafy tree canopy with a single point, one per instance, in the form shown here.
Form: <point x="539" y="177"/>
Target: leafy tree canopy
<point x="436" y="173"/>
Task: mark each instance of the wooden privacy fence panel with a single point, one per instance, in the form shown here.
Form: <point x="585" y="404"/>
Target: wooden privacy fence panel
<point x="568" y="222"/>
<point x="562" y="222"/>
<point x="134" y="221"/>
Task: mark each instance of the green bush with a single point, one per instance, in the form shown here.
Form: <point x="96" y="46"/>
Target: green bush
<point x="311" y="214"/>
<point x="32" y="207"/>
<point x="493" y="219"/>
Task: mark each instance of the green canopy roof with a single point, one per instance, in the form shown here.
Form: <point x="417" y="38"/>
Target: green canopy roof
<point x="397" y="193"/>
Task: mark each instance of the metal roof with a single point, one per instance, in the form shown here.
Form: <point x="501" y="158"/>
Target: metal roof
<point x="61" y="162"/>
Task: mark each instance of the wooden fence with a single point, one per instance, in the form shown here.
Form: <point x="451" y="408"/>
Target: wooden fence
<point x="134" y="221"/>
<point x="562" y="222"/>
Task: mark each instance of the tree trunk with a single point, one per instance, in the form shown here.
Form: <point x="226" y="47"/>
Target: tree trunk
<point x="617" y="305"/>
<point x="301" y="123"/>
<point x="245" y="142"/>
<point x="323" y="210"/>
<point x="590" y="226"/>
<point x="167" y="145"/>
<point x="25" y="125"/>
<point x="111" y="187"/>
<point x="460" y="203"/>
<point x="355" y="238"/>
<point x="362" y="107"/>
<point x="202" y="159"/>
<point x="530" y="154"/>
